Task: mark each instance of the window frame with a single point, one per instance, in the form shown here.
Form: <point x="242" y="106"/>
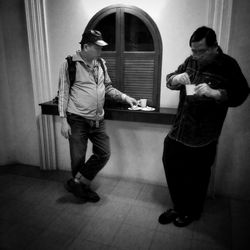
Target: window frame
<point x="120" y="53"/>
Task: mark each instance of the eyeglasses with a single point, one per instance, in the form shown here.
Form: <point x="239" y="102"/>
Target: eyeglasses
<point x="199" y="52"/>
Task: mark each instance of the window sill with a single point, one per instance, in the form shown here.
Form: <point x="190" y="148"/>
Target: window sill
<point x="121" y="113"/>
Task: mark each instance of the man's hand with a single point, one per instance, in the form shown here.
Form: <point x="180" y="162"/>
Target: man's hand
<point x="204" y="89"/>
<point x="131" y="101"/>
<point x="182" y="78"/>
<point x="65" y="128"/>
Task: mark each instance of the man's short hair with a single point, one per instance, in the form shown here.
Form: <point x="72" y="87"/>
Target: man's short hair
<point x="93" y="37"/>
<point x="204" y="32"/>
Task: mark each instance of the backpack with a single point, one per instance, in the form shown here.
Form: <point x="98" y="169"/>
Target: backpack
<point x="72" y="73"/>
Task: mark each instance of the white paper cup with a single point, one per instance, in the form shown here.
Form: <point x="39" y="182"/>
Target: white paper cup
<point x="190" y="89"/>
<point x="143" y="103"/>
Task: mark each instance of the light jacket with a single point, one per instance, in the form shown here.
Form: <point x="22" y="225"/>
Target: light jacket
<point x="199" y="120"/>
<point x="87" y="95"/>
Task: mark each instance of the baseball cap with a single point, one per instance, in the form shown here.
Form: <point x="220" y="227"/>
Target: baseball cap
<point x="93" y="36"/>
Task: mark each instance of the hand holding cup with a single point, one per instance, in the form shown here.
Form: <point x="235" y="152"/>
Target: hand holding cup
<point x="190" y="89"/>
<point x="182" y="78"/>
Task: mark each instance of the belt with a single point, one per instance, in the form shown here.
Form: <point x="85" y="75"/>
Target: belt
<point x="92" y="123"/>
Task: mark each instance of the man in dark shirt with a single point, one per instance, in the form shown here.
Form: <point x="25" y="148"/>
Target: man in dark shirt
<point x="190" y="147"/>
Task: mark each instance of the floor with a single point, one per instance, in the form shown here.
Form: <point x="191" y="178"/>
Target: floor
<point x="36" y="212"/>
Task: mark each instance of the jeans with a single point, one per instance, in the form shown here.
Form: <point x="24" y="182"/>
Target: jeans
<point x="83" y="130"/>
<point x="188" y="172"/>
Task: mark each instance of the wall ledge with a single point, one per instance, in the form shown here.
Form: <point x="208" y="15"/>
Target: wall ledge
<point x="121" y="113"/>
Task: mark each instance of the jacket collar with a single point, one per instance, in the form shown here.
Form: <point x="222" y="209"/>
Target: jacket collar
<point x="77" y="57"/>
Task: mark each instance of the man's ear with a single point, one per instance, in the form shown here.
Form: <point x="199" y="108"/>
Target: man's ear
<point x="85" y="46"/>
<point x="215" y="49"/>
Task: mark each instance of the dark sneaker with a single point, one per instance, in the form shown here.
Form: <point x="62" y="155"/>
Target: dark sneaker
<point x="90" y="194"/>
<point x="185" y="220"/>
<point x="81" y="191"/>
<point x="167" y="217"/>
<point x="75" y="188"/>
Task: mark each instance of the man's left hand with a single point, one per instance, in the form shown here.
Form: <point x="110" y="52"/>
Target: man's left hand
<point x="204" y="89"/>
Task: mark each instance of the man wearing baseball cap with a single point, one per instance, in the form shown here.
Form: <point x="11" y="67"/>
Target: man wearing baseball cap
<point x="81" y="110"/>
<point x="93" y="36"/>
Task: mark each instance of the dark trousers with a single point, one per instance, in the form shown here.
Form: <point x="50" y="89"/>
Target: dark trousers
<point x="188" y="172"/>
<point x="83" y="130"/>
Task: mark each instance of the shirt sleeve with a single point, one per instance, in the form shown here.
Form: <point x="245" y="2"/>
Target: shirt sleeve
<point x="63" y="90"/>
<point x="169" y="78"/>
<point x="238" y="89"/>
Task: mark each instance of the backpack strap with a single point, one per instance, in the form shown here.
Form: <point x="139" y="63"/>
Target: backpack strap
<point x="71" y="70"/>
<point x="72" y="75"/>
<point x="100" y="60"/>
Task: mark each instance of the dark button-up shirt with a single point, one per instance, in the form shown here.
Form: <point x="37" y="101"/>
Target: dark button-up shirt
<point x="200" y="119"/>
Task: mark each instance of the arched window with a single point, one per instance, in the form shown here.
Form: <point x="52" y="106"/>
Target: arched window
<point x="134" y="52"/>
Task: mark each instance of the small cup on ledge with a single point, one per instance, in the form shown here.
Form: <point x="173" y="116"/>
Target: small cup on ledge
<point x="142" y="103"/>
